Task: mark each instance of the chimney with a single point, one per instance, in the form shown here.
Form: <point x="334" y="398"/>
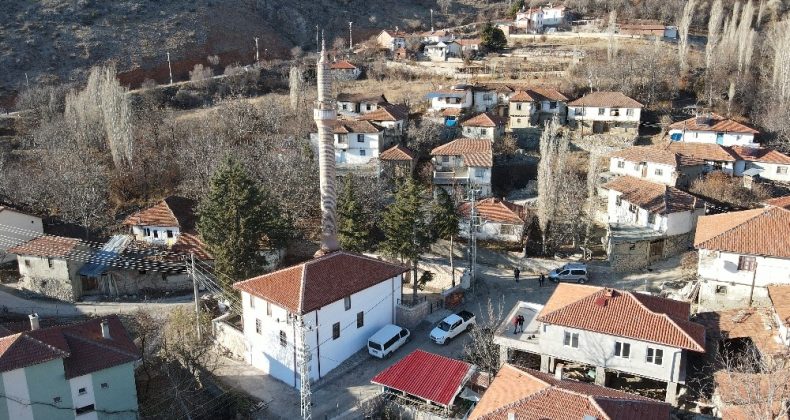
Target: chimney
<point x="105" y="329"/>
<point x="558" y="371"/>
<point x="511" y="416"/>
<point x="325" y="115"/>
<point x="34" y="325"/>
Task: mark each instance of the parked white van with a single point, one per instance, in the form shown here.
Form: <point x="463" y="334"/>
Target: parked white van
<point x="388" y="339"/>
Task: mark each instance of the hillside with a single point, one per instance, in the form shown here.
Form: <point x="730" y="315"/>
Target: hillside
<point x="57" y="40"/>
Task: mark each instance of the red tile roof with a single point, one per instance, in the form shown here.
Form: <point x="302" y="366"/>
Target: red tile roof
<point x="173" y="211"/>
<point x="715" y="123"/>
<point x="530" y="394"/>
<point x="451" y="112"/>
<point x="397" y="152"/>
<point x="495" y="210"/>
<point x="606" y="100"/>
<point x="475" y="152"/>
<point x="760" y="154"/>
<point x="783" y="202"/>
<point x="653" y="197"/>
<point x="469" y="42"/>
<point x="316" y="283"/>
<point x="780" y="298"/>
<point x="189" y="242"/>
<point x="656" y="154"/>
<point x="627" y="314"/>
<point x="486" y="119"/>
<point x="342" y="65"/>
<point x="343" y="126"/>
<point x="429" y="376"/>
<point x="362" y="97"/>
<point x="46" y="246"/>
<point x="81" y="346"/>
<point x="763" y="231"/>
<point x="704" y="151"/>
<point x="387" y="112"/>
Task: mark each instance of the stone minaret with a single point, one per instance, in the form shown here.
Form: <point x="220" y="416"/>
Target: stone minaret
<point x="325" y="116"/>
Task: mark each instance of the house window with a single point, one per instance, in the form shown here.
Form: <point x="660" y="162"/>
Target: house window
<point x="347" y="302"/>
<point x="659" y="172"/>
<point x="445" y="159"/>
<point x="518" y="120"/>
<point x="507" y="230"/>
<point x="601" y="111"/>
<point x="518" y="107"/>
<point x="781" y="170"/>
<point x="363" y="152"/>
<point x="344" y="107"/>
<point x="622" y="350"/>
<point x="360" y="319"/>
<point x="27" y="262"/>
<point x="629" y="112"/>
<point x="85" y="409"/>
<point x="360" y="138"/>
<point x="142" y="271"/>
<point x="721" y="290"/>
<point x="621" y="164"/>
<point x="619" y="201"/>
<point x="268" y="308"/>
<point x="579" y="111"/>
<point x="146" y="232"/>
<point x="487" y="97"/>
<point x="156" y="234"/>
<point x="747" y="263"/>
<point x="169" y="233"/>
<point x="614" y="112"/>
<point x="632" y="208"/>
<point x="655" y="356"/>
<point x="56" y="400"/>
<point x="637" y="166"/>
<point x="468" y="130"/>
<point x="335" y="331"/>
<point x="553" y="105"/>
<point x="252" y="301"/>
<point x="571" y="340"/>
<point x="82" y="391"/>
<point x="483" y="131"/>
<point x="479" y="172"/>
<point x="368" y="107"/>
<point x="49" y="262"/>
<point x="651" y="218"/>
<point x="258" y="328"/>
<point x="283" y="340"/>
<point x="105" y="385"/>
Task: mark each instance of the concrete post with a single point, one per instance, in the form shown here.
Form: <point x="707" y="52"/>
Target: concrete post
<point x="672" y="393"/>
<point x="544" y="362"/>
<point x="600" y="375"/>
<point x="503" y="355"/>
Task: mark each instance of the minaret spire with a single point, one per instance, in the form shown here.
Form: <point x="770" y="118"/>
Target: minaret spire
<point x="325" y="115"/>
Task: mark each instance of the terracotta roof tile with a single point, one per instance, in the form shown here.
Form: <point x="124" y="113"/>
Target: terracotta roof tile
<point x="475" y="152"/>
<point x="342" y="65"/>
<point x="783" y="202"/>
<point x="760" y="154"/>
<point x="173" y="211"/>
<point x="362" y="97"/>
<point x="530" y="394"/>
<point x="743" y="323"/>
<point x="343" y="126"/>
<point x="780" y="297"/>
<point x="451" y="112"/>
<point x="622" y="314"/>
<point x="527" y="93"/>
<point x="486" y="119"/>
<point x="495" y="210"/>
<point x="521" y="96"/>
<point x="428" y="376"/>
<point x="763" y="231"/>
<point x="467" y="42"/>
<point x="46" y="246"/>
<point x="656" y="154"/>
<point x="607" y="100"/>
<point x="653" y="197"/>
<point x="308" y="286"/>
<point x="387" y="112"/>
<point x="704" y="151"/>
<point x="397" y="152"/>
<point x="570" y="293"/>
<point x="715" y="123"/>
<point x="189" y="242"/>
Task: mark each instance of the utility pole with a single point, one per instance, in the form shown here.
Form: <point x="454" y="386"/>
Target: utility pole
<point x="257" y="57"/>
<point x="197" y="293"/>
<point x="317" y="40"/>
<point x="754" y="280"/>
<point x="350" y="39"/>
<point x="473" y="238"/>
<point x="304" y="373"/>
<point x="27" y="81"/>
<point x="431" y="20"/>
<point x="169" y="67"/>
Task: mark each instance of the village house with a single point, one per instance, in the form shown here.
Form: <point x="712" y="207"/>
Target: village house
<point x="17" y="228"/>
<point x="441" y="51"/>
<point x="538" y="19"/>
<point x="656" y="164"/>
<point x="451" y="102"/>
<point x="171" y="224"/>
<point x="435" y="37"/>
<point x="397" y="162"/>
<point x="532" y="107"/>
<point x="484" y="126"/>
<point x="714" y="156"/>
<point x="740" y="254"/>
<point x="429" y="378"/>
<point x="601" y="112"/>
<point x="647" y="222"/>
<point x="83" y="371"/>
<point x="47" y="265"/>
<point x="356" y="104"/>
<point x="766" y="163"/>
<point x="495" y="219"/>
<point x="357" y="142"/>
<point x="341" y="299"/>
<point x="629" y="333"/>
<point x="462" y="164"/>
<point x="529" y="394"/>
<point x="390" y="116"/>
<point x="392" y="40"/>
<point x="469" y="46"/>
<point x="344" y="70"/>
<point x="485" y="98"/>
<point x="713" y="129"/>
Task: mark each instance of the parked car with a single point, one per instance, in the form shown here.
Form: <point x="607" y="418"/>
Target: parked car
<point x="451" y="326"/>
<point x="386" y="340"/>
<point x="572" y="272"/>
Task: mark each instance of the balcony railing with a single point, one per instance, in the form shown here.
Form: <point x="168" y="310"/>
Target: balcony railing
<point x="449" y="176"/>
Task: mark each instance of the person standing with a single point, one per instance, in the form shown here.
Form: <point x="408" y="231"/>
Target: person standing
<point x="541" y="280"/>
<point x="515" y="324"/>
<point x="521" y="323"/>
<point x="516" y="273"/>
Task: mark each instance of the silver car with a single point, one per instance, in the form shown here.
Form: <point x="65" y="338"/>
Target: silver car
<point x="571" y="272"/>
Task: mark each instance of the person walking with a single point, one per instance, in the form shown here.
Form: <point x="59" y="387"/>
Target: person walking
<point x="521" y="323"/>
<point x="516" y="273"/>
<point x="515" y="324"/>
<point x="541" y="280"/>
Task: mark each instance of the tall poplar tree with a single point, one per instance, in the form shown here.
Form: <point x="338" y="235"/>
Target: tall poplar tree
<point x="353" y="228"/>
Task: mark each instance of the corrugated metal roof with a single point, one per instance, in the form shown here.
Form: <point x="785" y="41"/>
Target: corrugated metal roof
<point x="102" y="259"/>
<point x="429" y="376"/>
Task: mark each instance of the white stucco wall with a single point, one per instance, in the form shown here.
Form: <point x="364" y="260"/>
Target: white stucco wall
<point x="485" y="100"/>
<point x="667" y="174"/>
<point x="591" y="114"/>
<point x="771" y="171"/>
<point x="17" y="228"/>
<point x="669" y="224"/>
<point x="723" y="266"/>
<point x="160" y="232"/>
<point x="15" y="387"/>
<point x="442" y="102"/>
<point x="352" y="150"/>
<point x="492" y="230"/>
<point x="727" y="139"/>
<point x="490" y="133"/>
<point x="88" y="398"/>
<point x="520" y="118"/>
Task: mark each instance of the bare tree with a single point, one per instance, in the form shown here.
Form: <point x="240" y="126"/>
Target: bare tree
<point x="611" y="50"/>
<point x="296" y="86"/>
<point x="553" y="154"/>
<point x="480" y="349"/>
<point x="445" y="5"/>
<point x="593" y="170"/>
<point x="714" y="37"/>
<point x="683" y="32"/>
<point x="779" y="40"/>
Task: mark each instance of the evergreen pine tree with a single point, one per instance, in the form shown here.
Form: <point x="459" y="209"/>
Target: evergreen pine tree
<point x="445" y="222"/>
<point x="353" y="229"/>
<point x="405" y="227"/>
<point x="492" y="37"/>
<point x="234" y="218"/>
